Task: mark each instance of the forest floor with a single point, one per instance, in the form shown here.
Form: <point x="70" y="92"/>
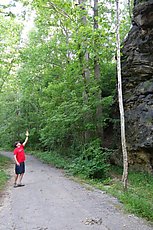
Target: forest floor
<point x="52" y="201"/>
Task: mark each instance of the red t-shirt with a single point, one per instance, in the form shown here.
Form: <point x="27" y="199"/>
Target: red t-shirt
<point x="19" y="152"/>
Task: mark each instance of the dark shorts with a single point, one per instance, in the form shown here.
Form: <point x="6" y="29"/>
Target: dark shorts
<point x="19" y="169"/>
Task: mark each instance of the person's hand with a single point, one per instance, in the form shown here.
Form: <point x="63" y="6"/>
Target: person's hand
<point x="18" y="163"/>
<point x="27" y="133"/>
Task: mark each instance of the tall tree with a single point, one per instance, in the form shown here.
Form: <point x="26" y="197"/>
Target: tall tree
<point x="97" y="72"/>
<point x="120" y="98"/>
<point x="85" y="65"/>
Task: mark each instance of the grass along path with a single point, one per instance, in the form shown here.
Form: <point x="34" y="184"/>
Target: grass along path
<point x="138" y="199"/>
<point x="4" y="165"/>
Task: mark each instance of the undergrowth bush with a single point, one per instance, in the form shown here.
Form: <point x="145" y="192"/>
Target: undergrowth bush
<point x="92" y="162"/>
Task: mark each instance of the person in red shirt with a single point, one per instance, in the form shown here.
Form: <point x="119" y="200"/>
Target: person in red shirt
<point x="19" y="157"/>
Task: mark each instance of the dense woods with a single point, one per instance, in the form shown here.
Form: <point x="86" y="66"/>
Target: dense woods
<point x="59" y="79"/>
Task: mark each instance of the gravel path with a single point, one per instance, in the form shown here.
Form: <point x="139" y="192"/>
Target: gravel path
<point x="51" y="201"/>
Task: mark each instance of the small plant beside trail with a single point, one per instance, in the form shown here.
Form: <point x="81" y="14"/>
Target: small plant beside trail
<point x="92" y="162"/>
<point x="4" y="162"/>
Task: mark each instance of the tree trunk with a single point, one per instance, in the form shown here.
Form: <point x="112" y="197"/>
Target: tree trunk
<point x="120" y="98"/>
<point x="85" y="73"/>
<point x="97" y="76"/>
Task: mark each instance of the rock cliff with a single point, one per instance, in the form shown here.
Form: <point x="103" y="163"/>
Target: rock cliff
<point x="137" y="78"/>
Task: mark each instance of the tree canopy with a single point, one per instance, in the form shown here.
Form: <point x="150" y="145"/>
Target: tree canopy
<point x="60" y="84"/>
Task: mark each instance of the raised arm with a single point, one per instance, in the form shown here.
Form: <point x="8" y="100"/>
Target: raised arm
<point x="26" y="140"/>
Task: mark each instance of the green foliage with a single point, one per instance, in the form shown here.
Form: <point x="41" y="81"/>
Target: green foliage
<point x="52" y="158"/>
<point x="3" y="178"/>
<point x="10" y="29"/>
<point x="92" y="162"/>
<point x="4" y="163"/>
<point x="139" y="197"/>
<point x="9" y="38"/>
<point x="44" y="88"/>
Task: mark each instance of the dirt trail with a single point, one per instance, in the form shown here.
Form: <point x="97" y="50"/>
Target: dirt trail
<point x="51" y="201"/>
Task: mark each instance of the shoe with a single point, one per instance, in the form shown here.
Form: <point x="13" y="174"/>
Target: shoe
<point x="21" y="185"/>
<point x="15" y="185"/>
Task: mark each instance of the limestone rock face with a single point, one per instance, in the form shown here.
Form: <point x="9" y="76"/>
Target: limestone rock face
<point x="137" y="79"/>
